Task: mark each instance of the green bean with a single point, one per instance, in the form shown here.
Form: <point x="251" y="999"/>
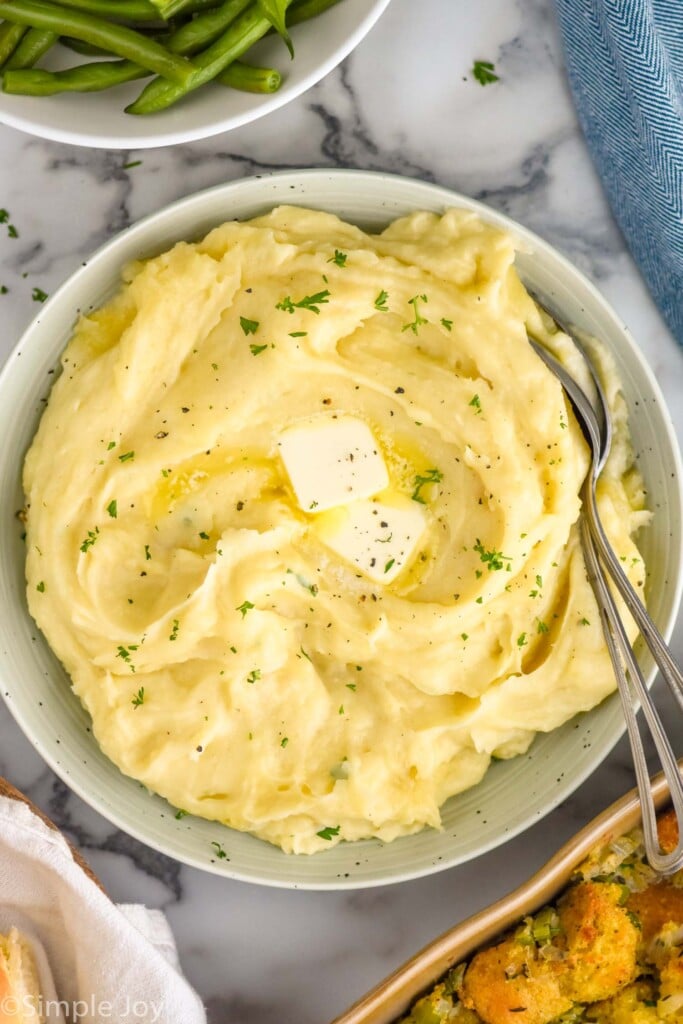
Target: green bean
<point x="85" y="49"/>
<point x="205" y="28"/>
<point x="35" y="43"/>
<point x="126" y="10"/>
<point x="305" y="9"/>
<point x="248" y="78"/>
<point x="194" y="35"/>
<point x="172" y="8"/>
<point x="85" y="78"/>
<point x="10" y="37"/>
<point x="236" y="40"/>
<point x="123" y="41"/>
<point x="102" y="75"/>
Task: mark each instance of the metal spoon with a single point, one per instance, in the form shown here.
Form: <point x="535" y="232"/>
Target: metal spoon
<point x="631" y="684"/>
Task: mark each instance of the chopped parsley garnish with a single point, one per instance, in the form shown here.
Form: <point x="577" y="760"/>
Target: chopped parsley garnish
<point x="418" y="319"/>
<point x="249" y="326"/>
<point x="203" y="534"/>
<point x="256" y="350"/>
<point x="130" y="164"/>
<point x="430" y="476"/>
<point x="448" y="324"/>
<point x="341" y="709"/>
<point x="303" y="654"/>
<point x="139" y="699"/>
<point x="220" y="852"/>
<point x="3" y="289"/>
<point x="339" y="258"/>
<point x="284" y="741"/>
<point x="465" y="636"/>
<point x="310" y="302"/>
<point x="298" y="334"/>
<point x="542" y="627"/>
<point x="390" y="564"/>
<point x="38" y="295"/>
<point x="521" y="640"/>
<point x="328" y="832"/>
<point x="494" y="559"/>
<point x="254" y="675"/>
<point x="381" y="302"/>
<point x="112" y="444"/>
<point x="351" y="686"/>
<point x="244" y="607"/>
<point x="90" y="539"/>
<point x="179" y="815"/>
<point x="174" y="631"/>
<point x="4" y="219"/>
<point x="584" y="622"/>
<point x="485" y="72"/>
<point x="148" y="556"/>
<point x="40" y="587"/>
<point x="475" y="402"/>
<point x="112" y="509"/>
<point x="125" y="654"/>
<point x="126" y="457"/>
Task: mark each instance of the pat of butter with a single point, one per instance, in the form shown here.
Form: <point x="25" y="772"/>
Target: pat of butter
<point x="332" y="460"/>
<point x="377" y="538"/>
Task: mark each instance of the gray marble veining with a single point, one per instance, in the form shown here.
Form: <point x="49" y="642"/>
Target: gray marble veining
<point x="404" y="102"/>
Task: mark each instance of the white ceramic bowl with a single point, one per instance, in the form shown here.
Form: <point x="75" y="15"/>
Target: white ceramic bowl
<point x="98" y="119"/>
<point x="514" y="794"/>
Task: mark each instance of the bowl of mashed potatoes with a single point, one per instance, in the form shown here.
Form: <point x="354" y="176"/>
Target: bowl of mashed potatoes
<point x="300" y="598"/>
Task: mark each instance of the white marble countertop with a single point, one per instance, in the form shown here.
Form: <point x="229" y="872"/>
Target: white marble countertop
<point x="403" y="102"/>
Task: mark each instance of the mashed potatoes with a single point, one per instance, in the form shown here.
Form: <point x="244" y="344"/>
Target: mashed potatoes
<point x="232" y="659"/>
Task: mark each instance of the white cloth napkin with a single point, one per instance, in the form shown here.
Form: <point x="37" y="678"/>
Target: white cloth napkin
<point x="98" y="962"/>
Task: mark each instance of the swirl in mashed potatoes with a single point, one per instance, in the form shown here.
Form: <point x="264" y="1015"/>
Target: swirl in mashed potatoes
<point x="232" y="658"/>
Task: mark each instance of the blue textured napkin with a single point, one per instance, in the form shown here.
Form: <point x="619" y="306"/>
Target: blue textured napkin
<point x="625" y="65"/>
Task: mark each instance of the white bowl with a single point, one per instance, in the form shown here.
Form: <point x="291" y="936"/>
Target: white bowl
<point x="514" y="794"/>
<point x="98" y="119"/>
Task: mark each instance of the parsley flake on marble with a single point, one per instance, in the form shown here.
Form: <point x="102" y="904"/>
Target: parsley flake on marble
<point x="485" y="72"/>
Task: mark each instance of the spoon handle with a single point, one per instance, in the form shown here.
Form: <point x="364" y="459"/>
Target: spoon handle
<point x="656" y="644"/>
<point x="633" y="691"/>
